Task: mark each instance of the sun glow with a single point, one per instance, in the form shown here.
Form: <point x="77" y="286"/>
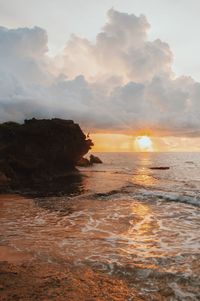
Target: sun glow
<point x="144" y="143"/>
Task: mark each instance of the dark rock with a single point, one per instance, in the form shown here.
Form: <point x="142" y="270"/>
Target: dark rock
<point x="4" y="182"/>
<point x="95" y="160"/>
<point x="83" y="162"/>
<point x="39" y="150"/>
<point x="160" y="167"/>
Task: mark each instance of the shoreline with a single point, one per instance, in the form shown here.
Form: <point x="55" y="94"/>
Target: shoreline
<point x="56" y="248"/>
<point x="25" y="277"/>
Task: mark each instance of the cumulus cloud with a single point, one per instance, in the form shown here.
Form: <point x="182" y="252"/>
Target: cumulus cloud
<point x="121" y="49"/>
<point x="122" y="82"/>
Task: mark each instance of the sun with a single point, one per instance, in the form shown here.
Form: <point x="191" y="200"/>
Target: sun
<point x="144" y="143"/>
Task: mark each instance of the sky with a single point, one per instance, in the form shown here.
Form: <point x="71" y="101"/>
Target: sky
<point x="173" y="21"/>
<point x="122" y="68"/>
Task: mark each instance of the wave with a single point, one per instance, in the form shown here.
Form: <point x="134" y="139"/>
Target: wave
<point x="169" y="196"/>
<point x="142" y="193"/>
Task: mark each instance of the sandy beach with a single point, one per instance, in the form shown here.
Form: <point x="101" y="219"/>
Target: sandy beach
<point x="25" y="276"/>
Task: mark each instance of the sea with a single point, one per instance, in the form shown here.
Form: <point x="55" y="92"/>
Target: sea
<point x="124" y="219"/>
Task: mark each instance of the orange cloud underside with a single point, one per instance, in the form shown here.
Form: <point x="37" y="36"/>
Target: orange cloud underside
<point x="127" y="143"/>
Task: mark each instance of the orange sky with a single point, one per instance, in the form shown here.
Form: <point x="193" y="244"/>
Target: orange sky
<point x="127" y="143"/>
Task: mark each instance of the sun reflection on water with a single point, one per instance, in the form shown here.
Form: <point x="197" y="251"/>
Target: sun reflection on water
<point x="143" y="175"/>
<point x="141" y="224"/>
<point x="141" y="178"/>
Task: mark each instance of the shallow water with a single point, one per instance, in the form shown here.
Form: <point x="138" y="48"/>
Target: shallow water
<point x="140" y="224"/>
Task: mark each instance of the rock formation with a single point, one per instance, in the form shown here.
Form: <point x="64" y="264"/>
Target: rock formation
<point x="84" y="162"/>
<point x="95" y="160"/>
<point x="39" y="149"/>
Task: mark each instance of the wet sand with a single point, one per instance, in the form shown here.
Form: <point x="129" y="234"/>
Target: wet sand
<point x="37" y="280"/>
<point x="25" y="277"/>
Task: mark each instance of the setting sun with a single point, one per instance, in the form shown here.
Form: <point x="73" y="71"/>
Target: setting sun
<point x="144" y="143"/>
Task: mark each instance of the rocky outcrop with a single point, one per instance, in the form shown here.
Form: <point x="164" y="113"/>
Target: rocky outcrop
<point x="39" y="149"/>
<point x="95" y="160"/>
<point x="84" y="162"/>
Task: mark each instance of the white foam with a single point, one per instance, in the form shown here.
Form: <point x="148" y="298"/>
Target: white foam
<point x="168" y="196"/>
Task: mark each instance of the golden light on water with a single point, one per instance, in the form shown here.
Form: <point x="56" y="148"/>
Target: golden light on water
<point x="143" y="179"/>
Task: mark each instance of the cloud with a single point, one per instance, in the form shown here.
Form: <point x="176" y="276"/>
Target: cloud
<point x="122" y="82"/>
<point x="122" y="49"/>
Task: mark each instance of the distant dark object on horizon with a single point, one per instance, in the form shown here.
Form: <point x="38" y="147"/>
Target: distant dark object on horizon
<point x="160" y="167"/>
